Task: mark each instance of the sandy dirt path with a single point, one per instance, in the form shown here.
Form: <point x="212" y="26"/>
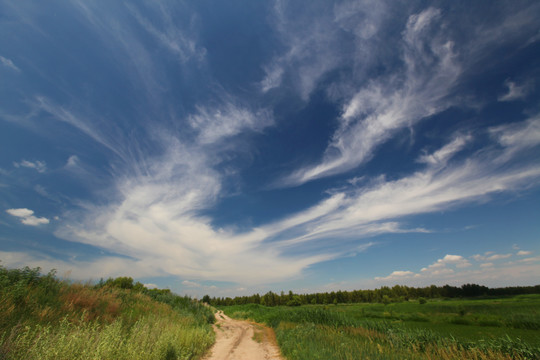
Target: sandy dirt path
<point x="242" y="340"/>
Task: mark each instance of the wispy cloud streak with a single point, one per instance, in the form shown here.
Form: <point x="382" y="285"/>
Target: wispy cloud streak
<point x="158" y="220"/>
<point x="172" y="38"/>
<point x="39" y="166"/>
<point x="9" y="64"/>
<point x="442" y="184"/>
<point x="515" y="91"/>
<point x="216" y="123"/>
<point x="312" y="48"/>
<point x="376" y="112"/>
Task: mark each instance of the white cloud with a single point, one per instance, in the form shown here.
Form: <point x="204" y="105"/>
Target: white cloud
<point x="214" y="124"/>
<point x="20" y="212"/>
<point x="34" y="221"/>
<point x="150" y="286"/>
<point x="498" y="257"/>
<point x="384" y="106"/>
<point x="72" y="161"/>
<point x="311" y="42"/>
<point x="39" y="166"/>
<point x="517" y="137"/>
<point x="440" y="266"/>
<point x="27" y="216"/>
<point x="368" y="209"/>
<point x="515" y="91"/>
<point x="490" y="256"/>
<point x="530" y="260"/>
<point x="8" y="63"/>
<point x="523" y="253"/>
<point x="514" y="26"/>
<point x="176" y="40"/>
<point x="274" y="75"/>
<point x="190" y="283"/>
<point x="397" y="275"/>
<point x="130" y="56"/>
<point x="478" y="257"/>
<point x="107" y="137"/>
<point x="323" y="37"/>
<point x="157" y="219"/>
<point x="442" y="155"/>
<point x="490" y="274"/>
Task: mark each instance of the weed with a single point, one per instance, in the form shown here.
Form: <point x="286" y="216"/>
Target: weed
<point x="403" y="330"/>
<point x="44" y="318"/>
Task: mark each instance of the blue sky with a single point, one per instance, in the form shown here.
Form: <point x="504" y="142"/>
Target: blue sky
<point x="237" y="147"/>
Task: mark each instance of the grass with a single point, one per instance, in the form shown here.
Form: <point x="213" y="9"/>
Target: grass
<point x="258" y="334"/>
<point x="44" y="318"/>
<point x="506" y="328"/>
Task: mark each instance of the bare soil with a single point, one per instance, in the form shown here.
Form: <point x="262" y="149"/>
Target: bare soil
<point x="242" y="340"/>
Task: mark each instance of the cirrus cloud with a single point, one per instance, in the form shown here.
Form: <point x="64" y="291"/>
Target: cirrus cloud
<point x="39" y="166"/>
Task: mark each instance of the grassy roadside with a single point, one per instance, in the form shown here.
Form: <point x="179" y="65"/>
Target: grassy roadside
<point x="45" y="318"/>
<point x="458" y="329"/>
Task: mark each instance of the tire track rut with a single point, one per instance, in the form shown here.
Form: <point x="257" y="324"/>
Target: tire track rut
<point x="242" y="340"/>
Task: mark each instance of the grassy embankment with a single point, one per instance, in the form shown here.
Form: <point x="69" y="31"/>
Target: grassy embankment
<point x="506" y="328"/>
<point x="45" y="318"/>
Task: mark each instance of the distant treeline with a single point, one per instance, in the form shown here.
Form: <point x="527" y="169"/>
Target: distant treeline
<point x="385" y="294"/>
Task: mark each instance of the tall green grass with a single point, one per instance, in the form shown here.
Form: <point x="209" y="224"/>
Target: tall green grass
<point x="384" y="332"/>
<point x="44" y="318"/>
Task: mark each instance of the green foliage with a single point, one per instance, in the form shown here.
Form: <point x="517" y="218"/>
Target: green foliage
<point x="295" y="301"/>
<point x="151" y="337"/>
<point x="385" y="294"/>
<point x="44" y="318"/>
<point x="185" y="305"/>
<point x="407" y="330"/>
<point x="422" y="301"/>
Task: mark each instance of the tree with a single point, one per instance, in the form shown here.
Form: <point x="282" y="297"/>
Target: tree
<point x="122" y="282"/>
<point x="295" y="301"/>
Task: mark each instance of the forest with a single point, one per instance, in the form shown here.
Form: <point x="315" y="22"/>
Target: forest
<point x="385" y="294"/>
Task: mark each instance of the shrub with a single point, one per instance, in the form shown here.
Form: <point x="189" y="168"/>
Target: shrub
<point x="45" y="318"/>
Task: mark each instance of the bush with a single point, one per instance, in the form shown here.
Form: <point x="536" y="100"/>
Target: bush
<point x="42" y="317"/>
<point x="295" y="301"/>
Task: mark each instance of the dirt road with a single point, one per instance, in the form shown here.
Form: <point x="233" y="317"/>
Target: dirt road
<point x="242" y="340"/>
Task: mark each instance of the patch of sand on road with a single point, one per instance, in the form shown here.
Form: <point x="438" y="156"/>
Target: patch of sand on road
<point x="242" y="340"/>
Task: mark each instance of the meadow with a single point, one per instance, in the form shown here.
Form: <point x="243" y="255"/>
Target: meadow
<point x="43" y="318"/>
<point x="496" y="328"/>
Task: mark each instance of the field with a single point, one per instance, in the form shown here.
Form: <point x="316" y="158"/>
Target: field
<point x="503" y="328"/>
<point x="45" y="318"/>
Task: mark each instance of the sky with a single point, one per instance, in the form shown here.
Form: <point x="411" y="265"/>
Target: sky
<point x="232" y="148"/>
